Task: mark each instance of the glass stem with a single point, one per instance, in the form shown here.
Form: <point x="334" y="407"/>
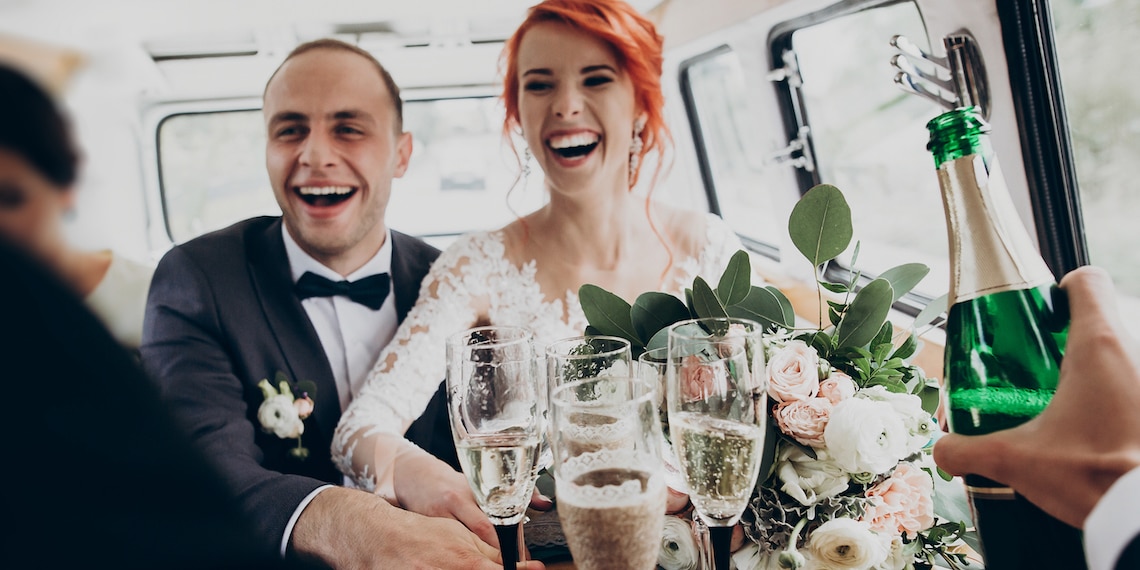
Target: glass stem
<point x="721" y="546"/>
<point x="509" y="544"/>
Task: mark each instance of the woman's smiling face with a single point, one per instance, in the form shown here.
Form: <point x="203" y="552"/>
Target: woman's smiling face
<point x="576" y="106"/>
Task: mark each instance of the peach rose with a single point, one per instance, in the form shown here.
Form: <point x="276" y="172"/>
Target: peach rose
<point x="804" y="420"/>
<point x="902" y="503"/>
<point x="700" y="380"/>
<point x="837" y="387"/>
<point x="304" y="406"/>
<point x="793" y="372"/>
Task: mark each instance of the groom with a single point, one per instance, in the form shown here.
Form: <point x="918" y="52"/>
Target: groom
<point x="305" y="296"/>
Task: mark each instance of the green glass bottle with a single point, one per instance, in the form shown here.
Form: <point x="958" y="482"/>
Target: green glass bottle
<point x="1005" y="336"/>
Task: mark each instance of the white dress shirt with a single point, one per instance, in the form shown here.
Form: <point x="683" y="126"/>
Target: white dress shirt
<point x="1113" y="522"/>
<point x="351" y="334"/>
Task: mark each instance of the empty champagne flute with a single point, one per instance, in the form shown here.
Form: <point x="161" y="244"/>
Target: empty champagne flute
<point x="495" y="403"/>
<point x="607" y="471"/>
<point x="717" y="400"/>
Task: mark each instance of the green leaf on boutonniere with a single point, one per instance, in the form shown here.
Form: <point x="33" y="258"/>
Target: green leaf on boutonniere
<point x="904" y="277"/>
<point x="307" y="387"/>
<point x="607" y="312"/>
<point x="736" y="280"/>
<point x="654" y="311"/>
<point x="866" y="314"/>
<point x="820" y="224"/>
<point x="705" y="302"/>
<point x="280" y="377"/>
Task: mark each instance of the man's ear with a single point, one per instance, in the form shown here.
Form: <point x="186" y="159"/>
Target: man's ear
<point x="403" y="153"/>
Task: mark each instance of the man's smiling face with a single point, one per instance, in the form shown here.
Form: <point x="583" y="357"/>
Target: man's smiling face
<point x="332" y="151"/>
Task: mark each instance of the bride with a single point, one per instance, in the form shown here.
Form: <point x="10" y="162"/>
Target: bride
<point x="583" y="86"/>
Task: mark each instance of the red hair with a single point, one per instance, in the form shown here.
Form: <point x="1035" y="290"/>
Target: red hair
<point x="635" y="43"/>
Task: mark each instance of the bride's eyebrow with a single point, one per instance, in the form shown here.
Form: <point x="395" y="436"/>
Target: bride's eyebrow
<point x="599" y="67"/>
<point x="538" y="71"/>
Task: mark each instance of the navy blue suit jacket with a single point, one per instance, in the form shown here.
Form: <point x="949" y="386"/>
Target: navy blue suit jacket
<point x="221" y="316"/>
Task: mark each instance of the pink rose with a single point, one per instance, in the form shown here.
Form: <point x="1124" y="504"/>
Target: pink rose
<point x="700" y="380"/>
<point x="793" y="373"/>
<point x="304" y="406"/>
<point x="902" y="503"/>
<point x="804" y="420"/>
<point x="837" y="387"/>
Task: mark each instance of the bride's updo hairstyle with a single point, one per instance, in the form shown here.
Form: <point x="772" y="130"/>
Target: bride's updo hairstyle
<point x="635" y="44"/>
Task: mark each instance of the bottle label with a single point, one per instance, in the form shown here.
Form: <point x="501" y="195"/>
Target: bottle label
<point x="990" y="251"/>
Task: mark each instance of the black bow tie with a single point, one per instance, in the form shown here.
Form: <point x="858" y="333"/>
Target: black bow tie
<point x="369" y="291"/>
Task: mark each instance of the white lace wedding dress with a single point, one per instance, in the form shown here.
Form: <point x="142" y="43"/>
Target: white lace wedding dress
<point x="472" y="278"/>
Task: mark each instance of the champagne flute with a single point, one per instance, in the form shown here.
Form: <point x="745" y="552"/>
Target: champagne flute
<point x="495" y="403"/>
<point x="580" y="358"/>
<point x="717" y="402"/>
<point x="608" y="474"/>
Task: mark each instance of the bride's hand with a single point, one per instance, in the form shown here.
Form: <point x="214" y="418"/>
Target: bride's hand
<point x="428" y="486"/>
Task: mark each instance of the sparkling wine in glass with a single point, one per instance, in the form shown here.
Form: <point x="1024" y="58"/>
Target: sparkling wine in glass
<point x="495" y="403"/>
<point x="608" y="472"/>
<point x="581" y="358"/>
<point x="717" y="399"/>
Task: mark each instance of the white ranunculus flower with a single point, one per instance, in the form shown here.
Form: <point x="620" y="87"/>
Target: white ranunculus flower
<point x="750" y="558"/>
<point x="679" y="549"/>
<point x="919" y="424"/>
<point x="901" y="556"/>
<point x="866" y="436"/>
<point x="845" y="544"/>
<point x="809" y="480"/>
<point x="278" y="415"/>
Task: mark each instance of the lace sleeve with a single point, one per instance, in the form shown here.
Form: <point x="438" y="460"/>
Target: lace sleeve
<point x="410" y="369"/>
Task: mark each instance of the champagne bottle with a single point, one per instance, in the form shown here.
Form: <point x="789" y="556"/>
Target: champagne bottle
<point x="1005" y="337"/>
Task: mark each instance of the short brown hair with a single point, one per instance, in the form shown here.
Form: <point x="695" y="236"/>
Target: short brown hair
<point x="329" y="43"/>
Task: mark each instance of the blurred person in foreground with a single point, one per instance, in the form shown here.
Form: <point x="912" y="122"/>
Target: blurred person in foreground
<point x="39" y="167"/>
<point x="1079" y="460"/>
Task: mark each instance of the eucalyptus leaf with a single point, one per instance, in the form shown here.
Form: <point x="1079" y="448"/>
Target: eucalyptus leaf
<point x="833" y="316"/>
<point x="883" y="337"/>
<point x="762" y="306"/>
<point x="705" y="302"/>
<point x="591" y="331"/>
<point x="930" y="396"/>
<point x="654" y="311"/>
<point x="904" y="277"/>
<point x="659" y="340"/>
<point x="932" y="311"/>
<point x="736" y="280"/>
<point x="855" y="256"/>
<point x="835" y="287"/>
<point x="866" y="314"/>
<point x="785" y="306"/>
<point x="907" y="348"/>
<point x="820" y="224"/>
<point x="606" y="312"/>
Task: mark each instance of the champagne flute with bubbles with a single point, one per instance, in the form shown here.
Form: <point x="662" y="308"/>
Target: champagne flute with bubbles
<point x="496" y="406"/>
<point x="608" y="475"/>
<point x="717" y="401"/>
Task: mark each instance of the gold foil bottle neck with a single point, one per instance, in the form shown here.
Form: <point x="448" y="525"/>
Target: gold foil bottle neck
<point x="990" y="250"/>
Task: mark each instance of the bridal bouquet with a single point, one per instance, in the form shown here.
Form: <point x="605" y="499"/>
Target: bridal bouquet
<point x="847" y="480"/>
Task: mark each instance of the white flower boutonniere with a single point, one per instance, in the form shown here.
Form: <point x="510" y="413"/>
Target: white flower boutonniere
<point x="283" y="414"/>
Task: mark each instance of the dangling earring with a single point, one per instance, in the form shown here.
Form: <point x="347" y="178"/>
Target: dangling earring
<point x="635" y="146"/>
<point x="526" y="162"/>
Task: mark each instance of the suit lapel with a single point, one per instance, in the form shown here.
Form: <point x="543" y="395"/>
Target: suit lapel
<point x="289" y="324"/>
<point x="409" y="266"/>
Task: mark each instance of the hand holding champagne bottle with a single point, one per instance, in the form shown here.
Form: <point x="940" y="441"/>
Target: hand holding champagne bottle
<point x="1067" y="457"/>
